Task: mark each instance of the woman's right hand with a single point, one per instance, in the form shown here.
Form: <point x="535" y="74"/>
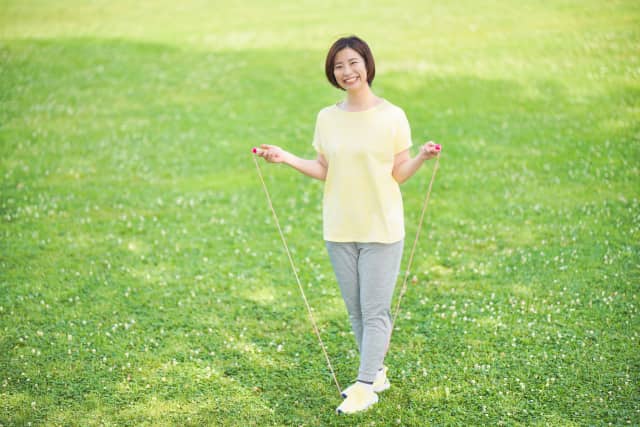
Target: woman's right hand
<point x="271" y="153"/>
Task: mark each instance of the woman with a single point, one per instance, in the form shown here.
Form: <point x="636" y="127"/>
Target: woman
<point x="362" y="146"/>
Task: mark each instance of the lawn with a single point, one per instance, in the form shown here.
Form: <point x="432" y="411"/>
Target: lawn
<point x="142" y="278"/>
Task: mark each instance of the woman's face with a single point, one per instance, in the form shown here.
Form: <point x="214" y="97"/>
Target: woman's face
<point x="349" y="69"/>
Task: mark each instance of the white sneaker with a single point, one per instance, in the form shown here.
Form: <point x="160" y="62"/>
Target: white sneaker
<point x="360" y="398"/>
<point x="380" y="384"/>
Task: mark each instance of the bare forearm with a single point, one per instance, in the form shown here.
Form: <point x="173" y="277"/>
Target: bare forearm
<point x="316" y="168"/>
<point x="405" y="166"/>
<point x="407" y="169"/>
<point x="310" y="167"/>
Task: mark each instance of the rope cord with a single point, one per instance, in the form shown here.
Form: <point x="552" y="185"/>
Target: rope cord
<point x="295" y="272"/>
<point x="403" y="290"/>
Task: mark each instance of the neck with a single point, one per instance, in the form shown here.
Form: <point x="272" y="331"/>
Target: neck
<point x="361" y="99"/>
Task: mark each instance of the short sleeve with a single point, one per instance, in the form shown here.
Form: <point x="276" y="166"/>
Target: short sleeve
<point x="402" y="139"/>
<point x="317" y="140"/>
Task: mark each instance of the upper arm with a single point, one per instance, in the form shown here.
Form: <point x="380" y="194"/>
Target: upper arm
<point x="400" y="158"/>
<point x="324" y="165"/>
<point x="322" y="161"/>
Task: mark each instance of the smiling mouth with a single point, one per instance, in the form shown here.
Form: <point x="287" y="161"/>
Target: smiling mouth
<point x="351" y="79"/>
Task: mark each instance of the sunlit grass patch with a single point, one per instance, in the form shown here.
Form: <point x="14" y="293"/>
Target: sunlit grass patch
<point x="143" y="281"/>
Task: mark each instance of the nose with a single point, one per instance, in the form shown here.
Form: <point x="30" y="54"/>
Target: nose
<point x="347" y="70"/>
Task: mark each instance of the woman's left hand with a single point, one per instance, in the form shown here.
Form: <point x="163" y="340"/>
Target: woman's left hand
<point x="429" y="150"/>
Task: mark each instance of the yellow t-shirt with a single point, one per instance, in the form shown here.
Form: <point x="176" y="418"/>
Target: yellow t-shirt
<point x="362" y="201"/>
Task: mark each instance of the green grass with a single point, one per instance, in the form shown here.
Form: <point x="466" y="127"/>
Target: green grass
<point x="143" y="282"/>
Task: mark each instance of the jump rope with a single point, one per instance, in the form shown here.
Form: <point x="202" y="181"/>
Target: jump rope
<point x="403" y="290"/>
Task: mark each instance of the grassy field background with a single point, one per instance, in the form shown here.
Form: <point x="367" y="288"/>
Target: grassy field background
<point x="142" y="280"/>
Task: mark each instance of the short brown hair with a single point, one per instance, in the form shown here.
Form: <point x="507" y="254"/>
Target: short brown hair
<point x="357" y="44"/>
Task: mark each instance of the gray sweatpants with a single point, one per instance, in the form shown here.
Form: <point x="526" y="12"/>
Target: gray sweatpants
<point x="367" y="274"/>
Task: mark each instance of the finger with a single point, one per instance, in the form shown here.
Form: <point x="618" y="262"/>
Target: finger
<point x="257" y="151"/>
<point x="431" y="147"/>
